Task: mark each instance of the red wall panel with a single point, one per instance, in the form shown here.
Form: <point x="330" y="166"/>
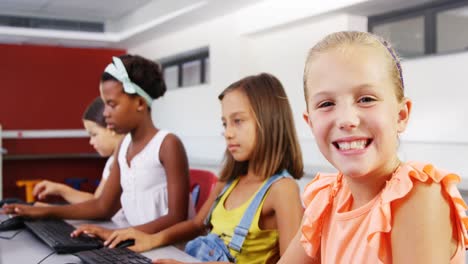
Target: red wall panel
<point x="45" y="87"/>
<point x="48" y="146"/>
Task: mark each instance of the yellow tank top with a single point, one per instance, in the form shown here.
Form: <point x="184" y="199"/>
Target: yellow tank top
<point x="260" y="246"/>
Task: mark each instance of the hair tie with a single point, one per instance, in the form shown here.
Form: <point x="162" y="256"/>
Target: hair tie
<point x="118" y="71"/>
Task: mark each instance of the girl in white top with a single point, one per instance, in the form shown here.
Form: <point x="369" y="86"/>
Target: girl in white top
<point x="103" y="140"/>
<point x="128" y="86"/>
<point x="144" y="183"/>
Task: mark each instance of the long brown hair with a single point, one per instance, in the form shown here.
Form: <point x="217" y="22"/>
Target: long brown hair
<point x="277" y="146"/>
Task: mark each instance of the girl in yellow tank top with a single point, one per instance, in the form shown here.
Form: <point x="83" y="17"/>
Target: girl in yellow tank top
<point x="261" y="141"/>
<point x="260" y="245"/>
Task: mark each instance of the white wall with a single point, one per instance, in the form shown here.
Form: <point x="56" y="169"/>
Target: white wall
<point x="438" y="88"/>
<point x="438" y="126"/>
<point x="194" y="113"/>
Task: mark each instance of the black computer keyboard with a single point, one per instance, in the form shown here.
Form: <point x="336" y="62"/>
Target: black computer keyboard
<point x="112" y="256"/>
<point x="56" y="234"/>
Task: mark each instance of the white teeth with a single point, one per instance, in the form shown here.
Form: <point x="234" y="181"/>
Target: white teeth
<point x="358" y="144"/>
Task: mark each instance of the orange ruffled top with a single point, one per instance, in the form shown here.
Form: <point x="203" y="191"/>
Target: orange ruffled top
<point x="363" y="235"/>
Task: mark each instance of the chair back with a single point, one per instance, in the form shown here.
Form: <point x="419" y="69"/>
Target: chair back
<point x="202" y="183"/>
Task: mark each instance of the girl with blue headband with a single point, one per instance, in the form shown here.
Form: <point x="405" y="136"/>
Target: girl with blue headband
<point x="149" y="179"/>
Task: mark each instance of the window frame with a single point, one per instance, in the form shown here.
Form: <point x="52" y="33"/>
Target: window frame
<point x="429" y="12"/>
<point x="179" y="60"/>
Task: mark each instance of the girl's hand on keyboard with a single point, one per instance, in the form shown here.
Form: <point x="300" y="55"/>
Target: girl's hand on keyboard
<point x="92" y="231"/>
<point x="25" y="210"/>
<point x="142" y="240"/>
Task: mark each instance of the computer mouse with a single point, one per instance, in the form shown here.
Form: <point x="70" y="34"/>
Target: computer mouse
<point x="125" y="243"/>
<point x="13" y="223"/>
<point x="10" y="201"/>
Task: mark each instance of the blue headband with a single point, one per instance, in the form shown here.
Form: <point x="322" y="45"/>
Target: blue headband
<point x="118" y="71"/>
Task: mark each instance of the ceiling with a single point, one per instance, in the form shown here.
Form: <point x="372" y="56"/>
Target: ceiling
<point x="128" y="22"/>
<point x="87" y="10"/>
<point x="124" y="20"/>
<point x="376" y="7"/>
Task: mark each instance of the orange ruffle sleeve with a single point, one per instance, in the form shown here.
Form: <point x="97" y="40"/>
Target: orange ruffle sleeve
<point x="400" y="185"/>
<point x="318" y="199"/>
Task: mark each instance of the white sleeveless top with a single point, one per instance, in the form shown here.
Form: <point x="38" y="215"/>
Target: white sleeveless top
<point x="144" y="183"/>
<point x="119" y="217"/>
<point x="107" y="167"/>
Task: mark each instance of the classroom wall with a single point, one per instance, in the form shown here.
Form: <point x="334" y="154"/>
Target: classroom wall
<point x="194" y="113"/>
<point x="48" y="88"/>
<point x="439" y="121"/>
<point x="437" y="127"/>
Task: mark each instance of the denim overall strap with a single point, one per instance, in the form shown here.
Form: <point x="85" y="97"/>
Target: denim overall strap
<point x="241" y="231"/>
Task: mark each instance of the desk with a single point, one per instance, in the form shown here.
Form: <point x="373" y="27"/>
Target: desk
<point x="26" y="248"/>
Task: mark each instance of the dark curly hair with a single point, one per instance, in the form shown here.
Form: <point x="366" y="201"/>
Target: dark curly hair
<point x="145" y="73"/>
